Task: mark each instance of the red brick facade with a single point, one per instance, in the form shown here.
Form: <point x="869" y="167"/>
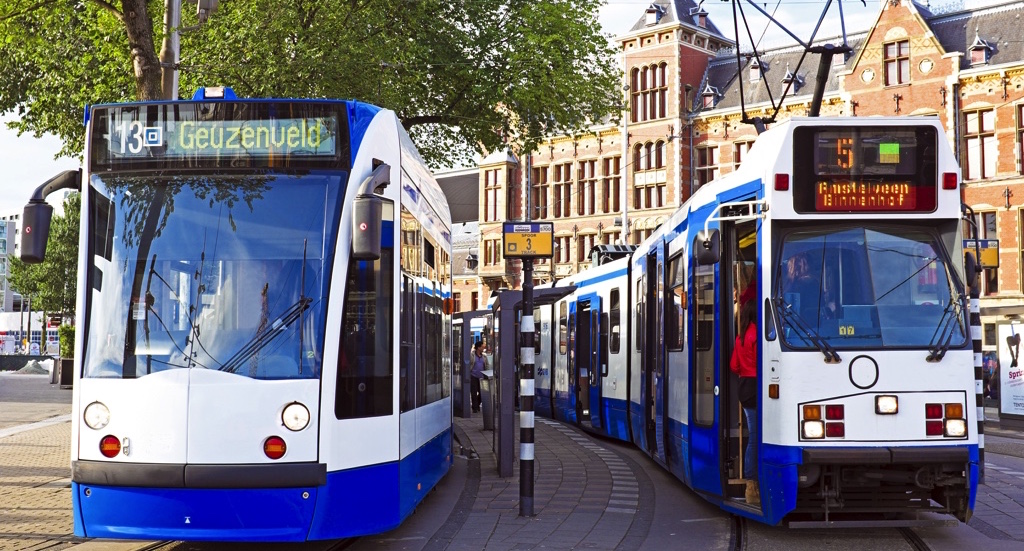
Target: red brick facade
<point x="911" y="63"/>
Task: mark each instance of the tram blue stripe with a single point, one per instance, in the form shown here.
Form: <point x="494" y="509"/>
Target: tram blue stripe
<point x="354" y="502"/>
<point x="194" y="514"/>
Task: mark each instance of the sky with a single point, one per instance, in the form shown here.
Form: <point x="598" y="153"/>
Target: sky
<point x="27" y="162"/>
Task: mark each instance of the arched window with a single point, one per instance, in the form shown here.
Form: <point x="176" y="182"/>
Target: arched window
<point x="663" y="92"/>
<point x="649" y="188"/>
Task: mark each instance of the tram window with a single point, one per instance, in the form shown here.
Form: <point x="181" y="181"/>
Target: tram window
<point x="410" y="318"/>
<point x="429" y="253"/>
<point x="536" y="331"/>
<point x="705" y="296"/>
<point x="675" y="305"/>
<point x="604" y="337"/>
<point x="616" y="326"/>
<point x="430" y="388"/>
<point x="364" y="387"/>
<point x="638" y="316"/>
<point x="563" y="327"/>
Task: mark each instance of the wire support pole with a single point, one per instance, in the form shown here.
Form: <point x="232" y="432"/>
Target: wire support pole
<point x="526" y="393"/>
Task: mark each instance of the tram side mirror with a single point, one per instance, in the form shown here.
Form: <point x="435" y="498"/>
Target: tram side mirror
<point x="35" y="220"/>
<point x="707" y="247"/>
<point x="35" y="223"/>
<point x="367" y="211"/>
<point x="971" y="269"/>
<point x="366" y="218"/>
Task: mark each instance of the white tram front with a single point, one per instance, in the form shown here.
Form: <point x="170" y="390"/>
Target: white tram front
<point x="263" y="321"/>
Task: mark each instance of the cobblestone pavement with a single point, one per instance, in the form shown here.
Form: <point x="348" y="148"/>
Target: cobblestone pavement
<point x="36" y="479"/>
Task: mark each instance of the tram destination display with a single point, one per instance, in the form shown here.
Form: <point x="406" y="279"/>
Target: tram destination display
<point x="857" y="170"/>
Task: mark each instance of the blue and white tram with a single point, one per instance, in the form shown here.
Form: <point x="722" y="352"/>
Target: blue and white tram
<point x="864" y="363"/>
<point x="581" y="369"/>
<point x="264" y="330"/>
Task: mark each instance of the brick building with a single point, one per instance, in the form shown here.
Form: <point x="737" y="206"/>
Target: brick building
<point x="687" y="91"/>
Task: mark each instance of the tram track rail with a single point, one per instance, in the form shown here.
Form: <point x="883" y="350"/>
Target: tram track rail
<point x="915" y="541"/>
<point x="739" y="531"/>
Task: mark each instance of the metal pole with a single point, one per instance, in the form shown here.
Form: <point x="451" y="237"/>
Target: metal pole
<point x="979" y="376"/>
<point x="526" y="392"/>
<point x="169" y="52"/>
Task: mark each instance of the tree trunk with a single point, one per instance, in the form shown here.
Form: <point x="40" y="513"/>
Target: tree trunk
<point x="145" y="63"/>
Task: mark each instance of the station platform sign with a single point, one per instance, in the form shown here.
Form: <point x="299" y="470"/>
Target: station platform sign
<point x="528" y="239"/>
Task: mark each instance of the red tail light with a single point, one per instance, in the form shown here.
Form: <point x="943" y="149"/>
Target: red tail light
<point x="933" y="428"/>
<point x="834" y="412"/>
<point x="835" y="430"/>
<point x="110" y="446"/>
<point x="933" y="411"/>
<point x="782" y="182"/>
<point x="949" y="180"/>
<point x="274" y="447"/>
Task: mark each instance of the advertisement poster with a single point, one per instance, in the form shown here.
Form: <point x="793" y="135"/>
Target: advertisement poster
<point x="1011" y="374"/>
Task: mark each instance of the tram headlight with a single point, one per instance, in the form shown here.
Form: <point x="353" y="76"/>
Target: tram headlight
<point x="813" y="429"/>
<point x="956" y="427"/>
<point x="96" y="415"/>
<point x="295" y="416"/>
<point x="887" y="404"/>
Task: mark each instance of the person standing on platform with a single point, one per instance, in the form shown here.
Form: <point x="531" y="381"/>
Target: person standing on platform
<point x="477" y="373"/>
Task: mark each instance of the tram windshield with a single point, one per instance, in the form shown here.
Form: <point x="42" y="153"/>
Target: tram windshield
<point x="220" y="272"/>
<point x="867" y="287"/>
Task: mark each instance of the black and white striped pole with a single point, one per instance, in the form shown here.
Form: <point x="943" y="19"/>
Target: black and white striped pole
<point x="972" y="271"/>
<point x="526" y="391"/>
<point x="979" y="374"/>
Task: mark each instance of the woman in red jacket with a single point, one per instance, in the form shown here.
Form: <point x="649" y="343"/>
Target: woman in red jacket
<point x="744" y="364"/>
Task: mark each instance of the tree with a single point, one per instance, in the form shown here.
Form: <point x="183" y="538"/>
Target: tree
<point x="464" y="76"/>
<point x="51" y="284"/>
<point x="58" y="57"/>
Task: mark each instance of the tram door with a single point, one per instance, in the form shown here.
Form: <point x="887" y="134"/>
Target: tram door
<point x="704" y="442"/>
<point x="590" y="366"/>
<point x="575" y="409"/>
<point x="737" y="269"/>
<point x="652" y="354"/>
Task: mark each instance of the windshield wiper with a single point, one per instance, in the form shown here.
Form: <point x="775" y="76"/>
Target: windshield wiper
<point x="943" y="335"/>
<point x="262" y="338"/>
<point x="797" y="323"/>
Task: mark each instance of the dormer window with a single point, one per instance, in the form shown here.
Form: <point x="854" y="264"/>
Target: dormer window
<point x="654" y="13"/>
<point x="710" y="96"/>
<point x="756" y="68"/>
<point x="700" y="15"/>
<point x="980" y="50"/>
<point x="796" y="80"/>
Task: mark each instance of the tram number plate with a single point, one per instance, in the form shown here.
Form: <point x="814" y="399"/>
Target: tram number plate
<point x="528" y="240"/>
